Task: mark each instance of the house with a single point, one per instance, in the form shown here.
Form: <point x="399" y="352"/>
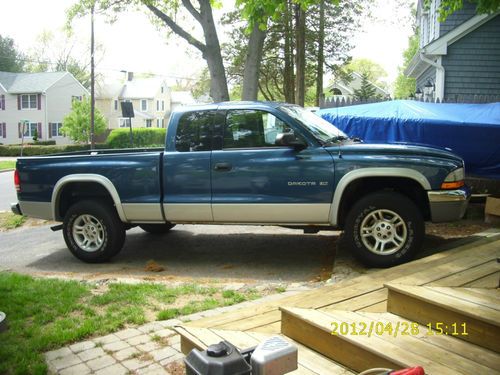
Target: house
<point x="341" y="88"/>
<point x="457" y="58"/>
<point x="37" y="102"/>
<point x="151" y="98"/>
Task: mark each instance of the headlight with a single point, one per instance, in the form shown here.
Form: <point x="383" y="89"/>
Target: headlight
<point x="454" y="180"/>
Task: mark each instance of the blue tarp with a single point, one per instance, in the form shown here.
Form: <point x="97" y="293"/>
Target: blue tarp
<point x="471" y="131"/>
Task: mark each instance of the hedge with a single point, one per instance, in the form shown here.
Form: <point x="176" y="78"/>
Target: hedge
<point x="143" y="137"/>
<point x="34" y="150"/>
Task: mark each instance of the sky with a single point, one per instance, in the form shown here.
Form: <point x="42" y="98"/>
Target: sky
<point x="133" y="43"/>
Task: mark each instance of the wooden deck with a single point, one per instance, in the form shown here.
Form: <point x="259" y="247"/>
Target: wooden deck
<point x="461" y="283"/>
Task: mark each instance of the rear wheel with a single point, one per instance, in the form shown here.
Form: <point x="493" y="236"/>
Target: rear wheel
<point x="157" y="228"/>
<point x="384" y="229"/>
<point x="93" y="231"/>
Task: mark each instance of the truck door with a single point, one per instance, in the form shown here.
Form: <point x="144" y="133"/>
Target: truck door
<point x="186" y="168"/>
<point x="256" y="181"/>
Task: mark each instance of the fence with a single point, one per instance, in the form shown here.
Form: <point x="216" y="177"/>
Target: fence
<point x="336" y="102"/>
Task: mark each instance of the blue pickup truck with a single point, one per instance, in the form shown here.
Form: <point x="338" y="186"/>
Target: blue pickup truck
<point x="248" y="163"/>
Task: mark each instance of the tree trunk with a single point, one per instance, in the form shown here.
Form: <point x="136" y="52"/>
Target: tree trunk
<point x="300" y="57"/>
<point x="218" y="80"/>
<point x="210" y="49"/>
<point x="288" y="76"/>
<point x="321" y="53"/>
<point x="252" y="63"/>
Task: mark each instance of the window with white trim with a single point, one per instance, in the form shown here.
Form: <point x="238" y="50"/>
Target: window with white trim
<point x="163" y="105"/>
<point x="116" y="105"/>
<point x="157" y="105"/>
<point x="124" y="122"/>
<point x="30" y="129"/>
<point x="55" y="129"/>
<point x="29" y="101"/>
<point x="149" y="123"/>
<point x="144" y="105"/>
<point x="76" y="97"/>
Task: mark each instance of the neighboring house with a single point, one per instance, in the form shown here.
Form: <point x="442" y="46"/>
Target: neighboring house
<point x="39" y="101"/>
<point x="341" y="88"/>
<point x="459" y="57"/>
<point x="151" y="98"/>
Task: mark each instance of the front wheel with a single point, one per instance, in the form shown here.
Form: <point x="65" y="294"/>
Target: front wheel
<point x="93" y="231"/>
<point x="384" y="229"/>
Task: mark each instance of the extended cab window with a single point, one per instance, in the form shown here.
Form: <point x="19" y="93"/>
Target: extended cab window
<point x="252" y="128"/>
<point x="194" y="131"/>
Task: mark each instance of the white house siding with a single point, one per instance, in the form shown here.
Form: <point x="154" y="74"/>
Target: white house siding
<point x="59" y="100"/>
<point x="12" y="116"/>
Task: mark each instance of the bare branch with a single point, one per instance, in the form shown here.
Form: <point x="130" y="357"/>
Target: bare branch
<point x="189" y="6"/>
<point x="177" y="29"/>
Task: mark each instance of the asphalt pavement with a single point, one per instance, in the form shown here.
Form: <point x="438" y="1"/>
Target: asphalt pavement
<point x="7" y="190"/>
<point x="221" y="253"/>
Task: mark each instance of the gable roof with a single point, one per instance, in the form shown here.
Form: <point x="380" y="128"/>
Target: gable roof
<point x="355" y="84"/>
<point x="20" y="83"/>
<point x="141" y="88"/>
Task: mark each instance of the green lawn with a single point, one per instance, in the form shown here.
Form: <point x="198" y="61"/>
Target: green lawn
<point x="46" y="314"/>
<point x="7" y="164"/>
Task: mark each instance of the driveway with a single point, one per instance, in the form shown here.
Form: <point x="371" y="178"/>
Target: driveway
<point x="210" y="252"/>
<point x="7" y="190"/>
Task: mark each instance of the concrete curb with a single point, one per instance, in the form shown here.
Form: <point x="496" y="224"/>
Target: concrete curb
<point x="7" y="170"/>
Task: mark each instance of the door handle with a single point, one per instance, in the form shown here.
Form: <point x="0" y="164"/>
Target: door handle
<point x="221" y="167"/>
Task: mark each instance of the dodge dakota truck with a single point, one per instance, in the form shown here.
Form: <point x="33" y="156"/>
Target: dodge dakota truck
<point x="248" y="163"/>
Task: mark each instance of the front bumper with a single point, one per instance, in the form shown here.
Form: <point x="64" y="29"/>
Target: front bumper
<point x="16" y="208"/>
<point x="448" y="205"/>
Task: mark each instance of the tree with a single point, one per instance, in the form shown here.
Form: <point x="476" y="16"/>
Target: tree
<point x="373" y="71"/>
<point x="448" y="7"/>
<point x="56" y="53"/>
<point x="76" y="125"/>
<point x="404" y="86"/>
<point x="366" y="91"/>
<point x="11" y="60"/>
<point x="167" y="12"/>
<point x="278" y="69"/>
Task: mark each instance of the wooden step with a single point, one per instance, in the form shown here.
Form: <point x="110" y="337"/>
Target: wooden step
<point x="473" y="315"/>
<point x="313" y="328"/>
<point x="310" y="362"/>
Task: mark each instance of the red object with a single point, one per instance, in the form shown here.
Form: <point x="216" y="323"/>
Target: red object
<point x="17" y="181"/>
<point x="409" y="371"/>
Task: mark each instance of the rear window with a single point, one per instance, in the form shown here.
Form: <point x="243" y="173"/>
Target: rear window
<point x="194" y="131"/>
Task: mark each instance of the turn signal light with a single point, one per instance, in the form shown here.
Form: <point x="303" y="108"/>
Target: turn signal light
<point x="17" y="181"/>
<point x="452" y="185"/>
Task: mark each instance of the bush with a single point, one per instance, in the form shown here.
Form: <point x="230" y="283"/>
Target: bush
<point x="143" y="137"/>
<point x="35" y="150"/>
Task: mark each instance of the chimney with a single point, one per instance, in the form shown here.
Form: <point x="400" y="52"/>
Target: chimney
<point x="130" y="76"/>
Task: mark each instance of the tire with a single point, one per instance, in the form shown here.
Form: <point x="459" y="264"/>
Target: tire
<point x="93" y="231"/>
<point x="384" y="244"/>
<point x="157" y="228"/>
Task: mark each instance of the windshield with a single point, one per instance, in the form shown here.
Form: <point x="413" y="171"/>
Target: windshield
<point x="321" y="129"/>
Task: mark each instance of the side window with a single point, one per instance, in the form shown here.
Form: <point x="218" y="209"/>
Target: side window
<point x="251" y="128"/>
<point x="194" y="131"/>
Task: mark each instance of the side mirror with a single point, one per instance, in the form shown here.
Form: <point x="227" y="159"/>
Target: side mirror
<point x="289" y="139"/>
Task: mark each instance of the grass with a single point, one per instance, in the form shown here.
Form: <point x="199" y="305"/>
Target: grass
<point x="46" y="314"/>
<point x="7" y="164"/>
<point x="8" y="220"/>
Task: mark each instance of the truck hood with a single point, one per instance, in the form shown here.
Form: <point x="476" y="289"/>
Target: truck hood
<point x="393" y="149"/>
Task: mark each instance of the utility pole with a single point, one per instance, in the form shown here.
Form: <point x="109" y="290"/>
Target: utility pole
<point x="92" y="78"/>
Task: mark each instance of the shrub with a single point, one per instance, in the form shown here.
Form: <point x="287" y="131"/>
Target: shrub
<point x="35" y="150"/>
<point x="143" y="137"/>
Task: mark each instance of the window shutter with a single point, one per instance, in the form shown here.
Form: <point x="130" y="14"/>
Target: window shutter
<point x="19" y="102"/>
<point x="4" y="126"/>
<point x="39" y="130"/>
<point x="19" y="129"/>
<point x="50" y="130"/>
<point x="39" y="100"/>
